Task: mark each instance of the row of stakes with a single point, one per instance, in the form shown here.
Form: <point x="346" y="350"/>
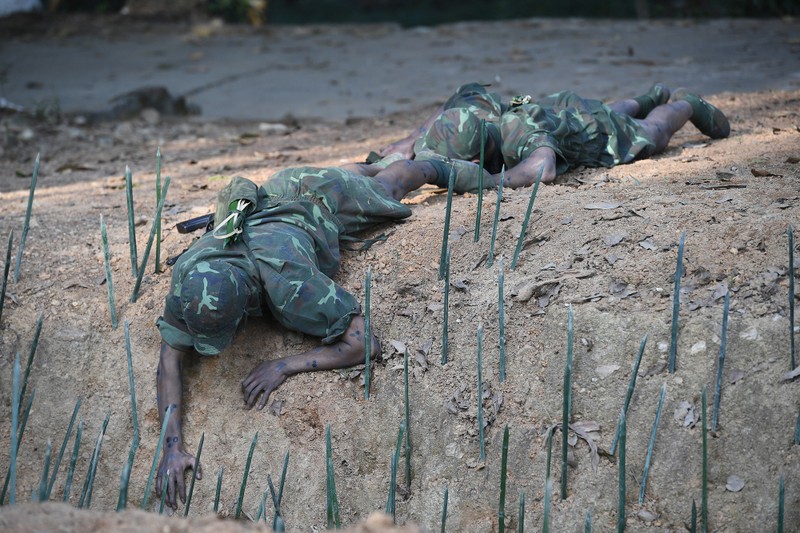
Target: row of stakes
<point x="403" y="447"/>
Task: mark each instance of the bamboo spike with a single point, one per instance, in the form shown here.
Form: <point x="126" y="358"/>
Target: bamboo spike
<point x="587" y="528"/>
<point x="521" y="516"/>
<point x="163" y="496"/>
<point x="219" y="488"/>
<point x="407" y="423"/>
<point x="131" y="384"/>
<point x="194" y="474"/>
<point x="63" y="449"/>
<point x="567" y="405"/>
<point x="42" y="496"/>
<point x="781" y="499"/>
<point x="20" y="434"/>
<point x="622" y="437"/>
<point x="158" y="199"/>
<point x="73" y="460"/>
<point x="88" y="486"/>
<point x="790" y="231"/>
<point x="524" y="229"/>
<point x="445" y="325"/>
<point x="390" y="507"/>
<point x="156" y="218"/>
<point x="501" y="513"/>
<point x="280" y="489"/>
<point x="263" y="506"/>
<point x="676" y="301"/>
<point x="275" y="502"/>
<point x="501" y="320"/>
<point x="131" y="223"/>
<point x="15" y="436"/>
<point x="496" y="216"/>
<point x="400" y="434"/>
<point x="446" y="233"/>
<point x="652" y="444"/>
<point x="693" y="526"/>
<point x="155" y="458"/>
<point x="6" y="268"/>
<point x="26" y="225"/>
<point x="36" y="332"/>
<point x="444" y="509"/>
<point x="246" y="472"/>
<point x="367" y="335"/>
<point x="720" y="363"/>
<point x="482" y="456"/>
<point x="631" y="386"/>
<point x="547" y="486"/>
<point x="797" y="430"/>
<point x="332" y="503"/>
<point x="124" y="481"/>
<point x="704" y="501"/>
<point x="112" y="306"/>
<point x="480" y="182"/>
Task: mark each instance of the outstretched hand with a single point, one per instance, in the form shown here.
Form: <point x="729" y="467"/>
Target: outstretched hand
<point x="265" y="378"/>
<point x="176" y="462"/>
<point x="403" y="146"/>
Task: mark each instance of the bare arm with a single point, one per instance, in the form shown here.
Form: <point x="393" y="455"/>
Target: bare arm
<point x="405" y="146"/>
<point x="169" y="386"/>
<point x="347" y="351"/>
<point x="525" y="173"/>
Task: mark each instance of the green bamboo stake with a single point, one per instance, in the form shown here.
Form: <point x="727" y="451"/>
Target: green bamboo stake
<point x="631" y="386"/>
<point x="246" y="472"/>
<point x="20" y="434"/>
<point x="548" y="486"/>
<point x="501" y="513"/>
<point x="262" y="507"/>
<point x="27" y="223"/>
<point x="156" y="218"/>
<point x="332" y="501"/>
<point x="276" y="518"/>
<point x="124" y="481"/>
<point x="567" y="405"/>
<point x="163" y="496"/>
<point x="390" y="507"/>
<point x="676" y="301"/>
<point x="652" y="444"/>
<point x="407" y="423"/>
<point x="400" y="433"/>
<point x="621" y="508"/>
<point x="367" y="335"/>
<point x="131" y="384"/>
<point x="446" y="233"/>
<point x="36" y="332"/>
<point x="155" y="458"/>
<point x="194" y="474"/>
<point x="720" y="363"/>
<point x="693" y="527"/>
<point x="482" y="457"/>
<point x="57" y="464"/>
<point x="444" y="509"/>
<point x="480" y="182"/>
<point x="780" y="506"/>
<point x="112" y="307"/>
<point x="88" y="485"/>
<point x="158" y="199"/>
<point x="42" y="495"/>
<point x="73" y="460"/>
<point x="219" y="488"/>
<point x="524" y="229"/>
<point x="705" y="465"/>
<point x="521" y="516"/>
<point x="15" y="436"/>
<point x="587" y="528"/>
<point x="790" y="231"/>
<point x="496" y="216"/>
<point x="501" y="320"/>
<point x="275" y="502"/>
<point x="6" y="268"/>
<point x="797" y="430"/>
<point x="445" y="325"/>
<point x="131" y="223"/>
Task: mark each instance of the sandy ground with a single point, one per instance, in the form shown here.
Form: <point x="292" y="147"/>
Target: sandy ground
<point x="604" y="241"/>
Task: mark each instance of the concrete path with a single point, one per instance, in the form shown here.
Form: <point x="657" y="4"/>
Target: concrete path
<point x="341" y="72"/>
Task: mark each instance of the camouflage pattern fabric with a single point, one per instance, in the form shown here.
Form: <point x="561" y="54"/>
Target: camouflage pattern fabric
<point x="580" y="131"/>
<point x="288" y="252"/>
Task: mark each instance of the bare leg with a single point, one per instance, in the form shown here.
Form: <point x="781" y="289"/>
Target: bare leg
<point x="662" y="123"/>
<point x="402" y="177"/>
<point x="628" y="107"/>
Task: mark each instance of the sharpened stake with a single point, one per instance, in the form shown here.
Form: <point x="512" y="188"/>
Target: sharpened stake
<point x="482" y="456"/>
<point x="524" y="229"/>
<point x="194" y="474"/>
<point x="156" y="218"/>
<point x="567" y="405"/>
<point x="720" y="363"/>
<point x="112" y="306"/>
<point x="26" y="225"/>
<point x="6" y="268"/>
<point x="246" y="473"/>
<point x="367" y="336"/>
<point x="446" y="305"/>
<point x="652" y="443"/>
<point x="131" y="222"/>
<point x="631" y="386"/>
<point x="446" y="232"/>
<point x="676" y="302"/>
<point x="63" y="449"/>
<point x="167" y="412"/>
<point x="496" y="216"/>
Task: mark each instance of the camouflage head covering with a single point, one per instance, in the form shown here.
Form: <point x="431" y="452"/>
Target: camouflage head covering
<point x="213" y="299"/>
<point x="456" y="133"/>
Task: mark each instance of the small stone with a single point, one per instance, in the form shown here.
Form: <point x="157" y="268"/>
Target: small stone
<point x="734" y="484"/>
<point x="646" y="516"/>
<point x="750" y="335"/>
<point x="698" y="347"/>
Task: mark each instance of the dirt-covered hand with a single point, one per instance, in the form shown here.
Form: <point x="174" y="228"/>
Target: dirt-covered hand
<point x="404" y="146"/>
<point x="176" y="462"/>
<point x="265" y="378"/>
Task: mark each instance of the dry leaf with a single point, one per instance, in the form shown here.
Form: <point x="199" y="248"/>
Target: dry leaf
<point x="398" y="346"/>
<point x="615" y="238"/>
<point x="602" y="205"/>
<point x="647" y="244"/>
<point x="764" y="173"/>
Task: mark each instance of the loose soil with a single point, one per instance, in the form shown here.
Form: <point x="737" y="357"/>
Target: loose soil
<point x="605" y="239"/>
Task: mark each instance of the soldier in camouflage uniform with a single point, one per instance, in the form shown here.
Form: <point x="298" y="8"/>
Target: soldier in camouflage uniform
<point x="280" y="259"/>
<point x="559" y="132"/>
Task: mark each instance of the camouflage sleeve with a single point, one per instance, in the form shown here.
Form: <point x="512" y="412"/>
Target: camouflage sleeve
<point x="528" y="127"/>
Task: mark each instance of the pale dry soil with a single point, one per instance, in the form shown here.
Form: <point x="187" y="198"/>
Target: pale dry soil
<point x="605" y="239"/>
